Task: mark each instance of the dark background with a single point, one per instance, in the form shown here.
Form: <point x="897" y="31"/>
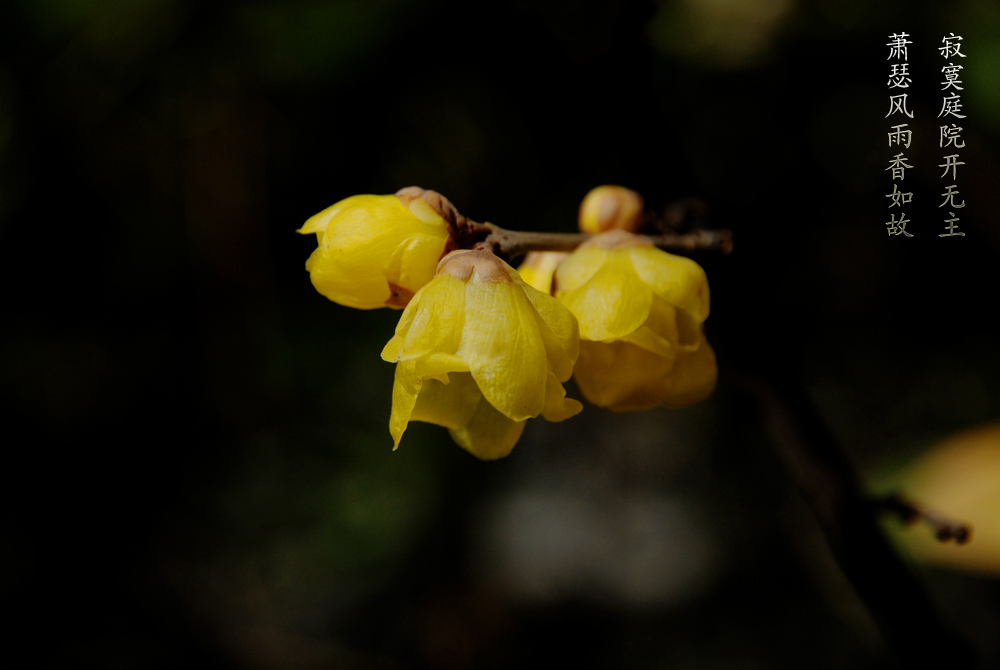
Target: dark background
<point x="198" y="466"/>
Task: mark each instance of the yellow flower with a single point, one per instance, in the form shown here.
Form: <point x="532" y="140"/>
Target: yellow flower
<point x="479" y="352"/>
<point x="374" y="250"/>
<point x="640" y="312"/>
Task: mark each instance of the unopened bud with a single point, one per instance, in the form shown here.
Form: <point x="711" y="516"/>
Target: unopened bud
<point x="611" y="207"/>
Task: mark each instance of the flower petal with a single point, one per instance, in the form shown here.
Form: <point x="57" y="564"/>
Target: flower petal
<point x="317" y="223"/>
<point x="503" y="346"/>
<point x="451" y="405"/>
<point x="622" y="376"/>
<point x="439" y="365"/>
<point x="557" y="406"/>
<point x="347" y="283"/>
<point x="659" y="334"/>
<point x="693" y="378"/>
<point x="613" y="303"/>
<point x="539" y="267"/>
<point x="489" y="435"/>
<point x="409" y="267"/>
<point x="678" y="280"/>
<point x="405" y="390"/>
<point x="577" y="270"/>
<point x="560" y="333"/>
<point x="432" y="322"/>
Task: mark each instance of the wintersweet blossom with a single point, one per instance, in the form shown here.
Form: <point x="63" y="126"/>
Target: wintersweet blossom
<point x="640" y="312"/>
<point x="374" y="250"/>
<point x="479" y="352"/>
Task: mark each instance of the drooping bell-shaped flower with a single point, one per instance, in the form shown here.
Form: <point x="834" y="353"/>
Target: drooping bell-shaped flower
<point x="479" y="351"/>
<point x="375" y="250"/>
<point x="640" y="312"/>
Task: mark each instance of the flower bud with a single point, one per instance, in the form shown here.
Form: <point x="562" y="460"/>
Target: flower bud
<point x="610" y="207"/>
<point x="375" y="250"/>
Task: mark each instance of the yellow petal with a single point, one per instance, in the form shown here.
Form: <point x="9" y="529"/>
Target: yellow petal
<point x="451" y="405"/>
<point x="692" y="379"/>
<point x="612" y="303"/>
<point x="405" y="390"/>
<point x="559" y="330"/>
<point x="579" y="267"/>
<point x="346" y="283"/>
<point x="317" y="223"/>
<point x="438" y="365"/>
<point x="557" y="406"/>
<point x="677" y="280"/>
<point x="645" y="338"/>
<point x="539" y="267"/>
<point x="423" y="211"/>
<point x="621" y="376"/>
<point x="660" y="334"/>
<point x="432" y="322"/>
<point x="408" y="266"/>
<point x="503" y="346"/>
<point x="489" y="434"/>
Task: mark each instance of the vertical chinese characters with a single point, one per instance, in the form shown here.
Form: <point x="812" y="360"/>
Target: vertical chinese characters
<point x="949" y="134"/>
<point x="900" y="135"/>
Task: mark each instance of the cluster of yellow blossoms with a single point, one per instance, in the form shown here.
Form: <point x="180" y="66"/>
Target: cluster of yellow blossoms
<point x="480" y="348"/>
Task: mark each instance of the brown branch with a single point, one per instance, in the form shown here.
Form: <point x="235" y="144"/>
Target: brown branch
<point x="910" y="627"/>
<point x="513" y="243"/>
<point x="944" y="529"/>
<point x="509" y="244"/>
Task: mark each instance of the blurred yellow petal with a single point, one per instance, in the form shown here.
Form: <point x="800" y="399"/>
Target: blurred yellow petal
<point x="640" y="314"/>
<point x="958" y="479"/>
<point x="586" y="262"/>
<point x="621" y="376"/>
<point x="489" y="434"/>
<point x="609" y="207"/>
<point x="692" y="379"/>
<point x="539" y="267"/>
<point x="677" y="280"/>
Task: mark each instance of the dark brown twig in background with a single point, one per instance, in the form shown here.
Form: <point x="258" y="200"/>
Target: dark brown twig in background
<point x="944" y="529"/>
<point x="911" y="629"/>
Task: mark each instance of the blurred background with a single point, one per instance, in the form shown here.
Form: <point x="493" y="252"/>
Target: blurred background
<point x="199" y="468"/>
